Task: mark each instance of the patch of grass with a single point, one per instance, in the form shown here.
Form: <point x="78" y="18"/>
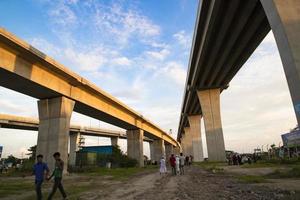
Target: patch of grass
<point x="252" y="179"/>
<point x="14" y="187"/>
<point x="294" y="172"/>
<point x="214" y="167"/>
<point x="116" y="173"/>
<point x="274" y="163"/>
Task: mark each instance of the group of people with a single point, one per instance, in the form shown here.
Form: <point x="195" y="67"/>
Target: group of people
<point x="237" y="159"/>
<point x="41" y="172"/>
<point x="177" y="163"/>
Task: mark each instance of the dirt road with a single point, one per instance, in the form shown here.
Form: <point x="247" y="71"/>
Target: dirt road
<point x="195" y="184"/>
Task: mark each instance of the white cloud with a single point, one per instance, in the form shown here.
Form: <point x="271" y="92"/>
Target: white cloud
<point x="176" y="72"/>
<point x="122" y="61"/>
<point x="183" y="39"/>
<point x="63" y="15"/>
<point x="124" y="24"/>
<point x="86" y="61"/>
<point x="159" y="55"/>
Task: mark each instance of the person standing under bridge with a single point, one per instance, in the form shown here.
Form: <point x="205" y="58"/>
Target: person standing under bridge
<point x="182" y="162"/>
<point x="163" y="168"/>
<point x="39" y="170"/>
<point x="173" y="164"/>
<point x="57" y="173"/>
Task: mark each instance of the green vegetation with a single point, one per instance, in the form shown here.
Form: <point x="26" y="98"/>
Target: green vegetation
<point x="13" y="187"/>
<point x="252" y="179"/>
<point x="294" y="172"/>
<point x="214" y="167"/>
<point x="274" y="163"/>
<point x="115" y="173"/>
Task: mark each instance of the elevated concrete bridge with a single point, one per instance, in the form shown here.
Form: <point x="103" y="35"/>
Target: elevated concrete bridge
<point x="32" y="124"/>
<point x="60" y="91"/>
<point x="226" y="34"/>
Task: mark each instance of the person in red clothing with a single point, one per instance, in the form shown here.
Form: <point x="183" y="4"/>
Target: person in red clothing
<point x="173" y="164"/>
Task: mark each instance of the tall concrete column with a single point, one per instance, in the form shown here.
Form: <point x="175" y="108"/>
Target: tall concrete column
<point x="169" y="151"/>
<point x="74" y="147"/>
<point x="114" y="141"/>
<point x="151" y="146"/>
<point x="183" y="149"/>
<point x="159" y="149"/>
<point x="54" y="125"/>
<point x="135" y="145"/>
<point x="188" y="141"/>
<point x="284" y="19"/>
<point x="210" y="106"/>
<point x="195" y="130"/>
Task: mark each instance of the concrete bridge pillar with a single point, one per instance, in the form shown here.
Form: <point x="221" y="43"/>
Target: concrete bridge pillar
<point x="195" y="130"/>
<point x="53" y="135"/>
<point x="135" y="145"/>
<point x="169" y="151"/>
<point x="188" y="148"/>
<point x="210" y="105"/>
<point x="74" y="147"/>
<point x="114" y="141"/>
<point x="182" y="150"/>
<point x="159" y="149"/>
<point x="284" y="19"/>
<point x="151" y="146"/>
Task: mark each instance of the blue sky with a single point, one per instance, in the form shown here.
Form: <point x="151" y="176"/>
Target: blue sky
<point x="138" y="51"/>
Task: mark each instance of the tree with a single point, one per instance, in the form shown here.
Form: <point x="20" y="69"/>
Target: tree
<point x="32" y="152"/>
<point x="11" y="159"/>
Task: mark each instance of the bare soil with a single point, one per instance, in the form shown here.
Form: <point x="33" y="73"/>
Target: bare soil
<point x="195" y="184"/>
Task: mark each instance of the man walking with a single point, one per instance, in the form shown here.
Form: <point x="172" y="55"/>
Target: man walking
<point x="57" y="173"/>
<point x="173" y="164"/>
<point x="182" y="160"/>
<point x="39" y="170"/>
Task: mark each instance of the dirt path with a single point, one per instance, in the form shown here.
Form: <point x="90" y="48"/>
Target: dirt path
<point x="195" y="184"/>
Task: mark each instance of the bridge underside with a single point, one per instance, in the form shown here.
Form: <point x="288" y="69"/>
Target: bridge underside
<point x="226" y="34"/>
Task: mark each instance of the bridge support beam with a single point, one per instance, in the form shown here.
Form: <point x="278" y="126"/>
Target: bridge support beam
<point x="114" y="141"/>
<point x="159" y="149"/>
<point x="74" y="146"/>
<point x="210" y="105"/>
<point x="53" y="135"/>
<point x="135" y="145"/>
<point x="284" y="18"/>
<point x="188" y="148"/>
<point x="195" y="130"/>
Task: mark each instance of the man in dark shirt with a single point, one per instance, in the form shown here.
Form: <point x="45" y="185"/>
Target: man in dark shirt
<point x="57" y="173"/>
<point x="39" y="170"/>
<point x="173" y="164"/>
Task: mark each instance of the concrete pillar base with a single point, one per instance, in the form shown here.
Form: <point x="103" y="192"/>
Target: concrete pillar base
<point x="135" y="145"/>
<point x="114" y="141"/>
<point x="169" y="151"/>
<point x="195" y="129"/>
<point x="74" y="147"/>
<point x="210" y="105"/>
<point x="54" y="128"/>
<point x="188" y="148"/>
<point x="159" y="149"/>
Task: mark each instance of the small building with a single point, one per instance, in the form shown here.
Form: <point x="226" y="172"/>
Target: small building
<point x="291" y="142"/>
<point x="93" y="155"/>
